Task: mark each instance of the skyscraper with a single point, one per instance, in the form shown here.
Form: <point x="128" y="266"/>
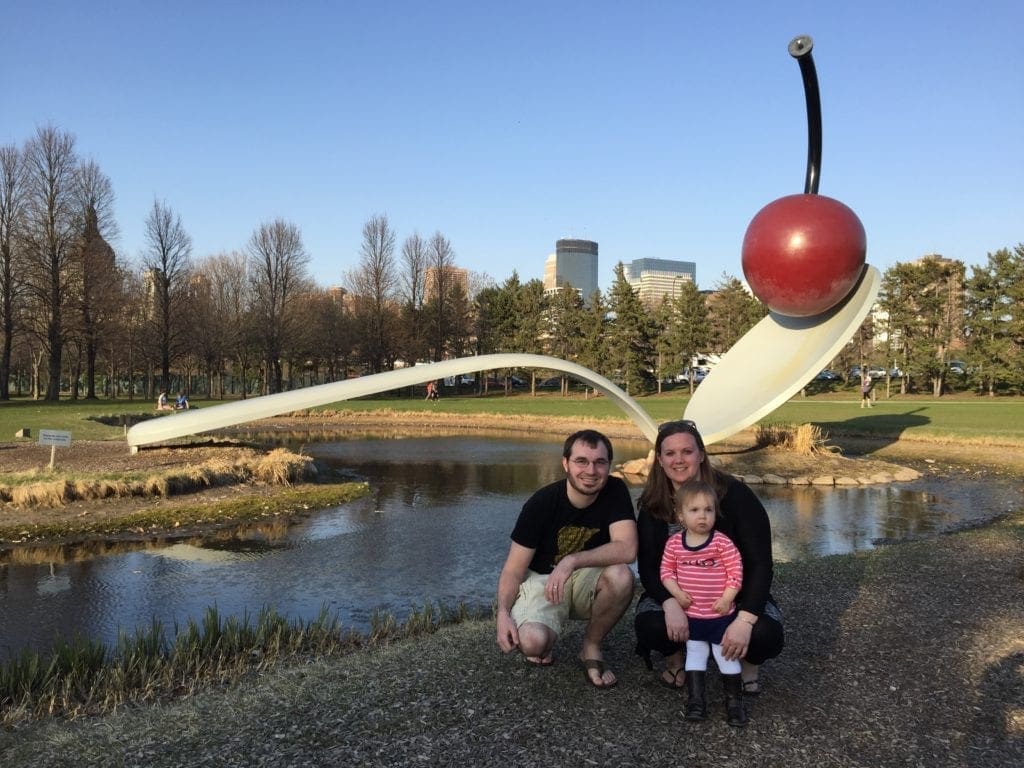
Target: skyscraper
<point x="574" y="263"/>
<point x="653" y="279"/>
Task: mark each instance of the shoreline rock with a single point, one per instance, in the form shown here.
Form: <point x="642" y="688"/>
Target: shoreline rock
<point x="635" y="471"/>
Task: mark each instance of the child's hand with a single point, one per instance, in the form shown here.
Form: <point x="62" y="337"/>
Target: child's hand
<point x="685" y="600"/>
<point x="721" y="605"/>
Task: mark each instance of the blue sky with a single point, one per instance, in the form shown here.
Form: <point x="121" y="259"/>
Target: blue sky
<point x="657" y="129"/>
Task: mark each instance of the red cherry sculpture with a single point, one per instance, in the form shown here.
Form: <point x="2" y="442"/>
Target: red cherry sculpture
<point x="803" y="254"/>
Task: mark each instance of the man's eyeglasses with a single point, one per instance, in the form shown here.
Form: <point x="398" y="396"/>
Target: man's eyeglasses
<point x="583" y="463"/>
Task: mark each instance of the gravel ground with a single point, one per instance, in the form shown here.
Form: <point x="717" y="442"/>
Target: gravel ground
<point x="910" y="655"/>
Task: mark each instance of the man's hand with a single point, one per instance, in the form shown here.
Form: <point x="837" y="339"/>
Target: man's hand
<point x="554" y="589"/>
<point x="508" y="633"/>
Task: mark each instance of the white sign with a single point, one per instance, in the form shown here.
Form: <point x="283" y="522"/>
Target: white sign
<point x="55" y="437"/>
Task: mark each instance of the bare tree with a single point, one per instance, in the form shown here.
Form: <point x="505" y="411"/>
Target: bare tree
<point x="12" y="285"/>
<point x="440" y="276"/>
<point x="278" y="265"/>
<point x="98" y="269"/>
<point x="167" y="265"/>
<point x="373" y="285"/>
<point x="53" y="224"/>
<point x="414" y="261"/>
<point x="414" y="258"/>
<point x="222" y="313"/>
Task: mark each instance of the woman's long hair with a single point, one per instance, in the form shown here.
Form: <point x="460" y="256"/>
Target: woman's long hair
<point x="658" y="497"/>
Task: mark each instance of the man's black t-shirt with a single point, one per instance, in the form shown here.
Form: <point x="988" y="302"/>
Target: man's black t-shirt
<point x="552" y="526"/>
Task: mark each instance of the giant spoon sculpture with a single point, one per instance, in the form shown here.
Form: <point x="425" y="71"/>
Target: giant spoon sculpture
<point x="803" y="256"/>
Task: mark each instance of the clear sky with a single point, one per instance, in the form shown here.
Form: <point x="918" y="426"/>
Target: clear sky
<point x="655" y="128"/>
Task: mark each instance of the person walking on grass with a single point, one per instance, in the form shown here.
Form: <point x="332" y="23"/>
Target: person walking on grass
<point x="701" y="568"/>
<point x="865" y="391"/>
<point x="569" y="559"/>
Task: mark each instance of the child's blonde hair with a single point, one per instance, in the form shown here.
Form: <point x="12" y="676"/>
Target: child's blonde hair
<point x="692" y="488"/>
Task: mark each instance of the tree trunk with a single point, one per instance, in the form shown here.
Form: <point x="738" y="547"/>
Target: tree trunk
<point x="53" y="368"/>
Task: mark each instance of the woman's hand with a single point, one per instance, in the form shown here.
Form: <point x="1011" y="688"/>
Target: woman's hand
<point x="676" y="626"/>
<point x="736" y="639"/>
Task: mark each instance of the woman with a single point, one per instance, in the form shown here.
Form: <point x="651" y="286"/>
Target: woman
<point x="756" y="634"/>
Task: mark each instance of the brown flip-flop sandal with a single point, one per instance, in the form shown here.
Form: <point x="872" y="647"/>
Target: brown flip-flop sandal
<point x="598" y="664"/>
<point x="674" y="685"/>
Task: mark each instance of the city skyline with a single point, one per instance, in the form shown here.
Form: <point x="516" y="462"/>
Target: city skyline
<point x="657" y="131"/>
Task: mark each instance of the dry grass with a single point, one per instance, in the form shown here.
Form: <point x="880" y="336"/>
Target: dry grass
<point x="41" y="489"/>
<point x="803" y="439"/>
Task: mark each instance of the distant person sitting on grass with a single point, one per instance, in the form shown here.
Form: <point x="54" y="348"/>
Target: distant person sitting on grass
<point x="181" y="404"/>
<point x="161" y="402"/>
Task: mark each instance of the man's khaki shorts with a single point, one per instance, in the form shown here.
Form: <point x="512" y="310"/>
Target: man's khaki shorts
<point x="532" y="606"/>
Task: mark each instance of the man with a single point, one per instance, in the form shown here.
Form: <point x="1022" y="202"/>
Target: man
<point x="569" y="558"/>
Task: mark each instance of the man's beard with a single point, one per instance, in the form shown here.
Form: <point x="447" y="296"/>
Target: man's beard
<point x="585" y="491"/>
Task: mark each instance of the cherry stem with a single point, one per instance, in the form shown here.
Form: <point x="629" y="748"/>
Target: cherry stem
<point x="800" y="49"/>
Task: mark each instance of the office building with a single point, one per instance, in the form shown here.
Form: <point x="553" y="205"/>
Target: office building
<point x="653" y="279"/>
<point x="574" y="263"/>
<point x="444" y="279"/>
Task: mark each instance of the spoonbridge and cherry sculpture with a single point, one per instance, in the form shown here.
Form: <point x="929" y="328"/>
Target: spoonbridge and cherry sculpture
<point x="241" y="411"/>
<point x="803" y="256"/>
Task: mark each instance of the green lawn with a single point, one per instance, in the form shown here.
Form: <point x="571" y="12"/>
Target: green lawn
<point x="963" y="415"/>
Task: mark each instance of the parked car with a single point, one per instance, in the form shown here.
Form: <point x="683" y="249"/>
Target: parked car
<point x="698" y="375"/>
<point x="827" y="375"/>
<point x="873" y="371"/>
<point x="552" y="383"/>
<point x="957" y="367"/>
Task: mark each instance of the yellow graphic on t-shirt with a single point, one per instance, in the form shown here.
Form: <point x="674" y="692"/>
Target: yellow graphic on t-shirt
<point x="571" y="540"/>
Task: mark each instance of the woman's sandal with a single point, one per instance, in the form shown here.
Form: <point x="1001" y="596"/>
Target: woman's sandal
<point x="751" y="688"/>
<point x="674" y="685"/>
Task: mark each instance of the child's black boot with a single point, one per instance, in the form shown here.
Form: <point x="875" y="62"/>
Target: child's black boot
<point x="735" y="714"/>
<point x="696" y="706"/>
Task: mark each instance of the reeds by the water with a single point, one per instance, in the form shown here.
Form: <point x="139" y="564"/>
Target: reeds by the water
<point x="803" y="439"/>
<point x="39" y="488"/>
<point x="82" y="676"/>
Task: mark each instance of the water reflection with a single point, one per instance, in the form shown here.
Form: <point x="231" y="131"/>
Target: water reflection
<point x="434" y="530"/>
<point x="251" y="537"/>
<point x="813" y="521"/>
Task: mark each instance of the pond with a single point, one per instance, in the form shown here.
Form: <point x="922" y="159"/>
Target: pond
<point x="434" y="530"/>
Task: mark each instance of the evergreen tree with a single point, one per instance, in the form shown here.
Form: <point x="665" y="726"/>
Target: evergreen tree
<point x="732" y="312"/>
<point x="565" y="324"/>
<point x="995" y="320"/>
<point x="664" y="321"/>
<point x="591" y="352"/>
<point x="630" y="339"/>
<point x="691" y="332"/>
<point x="922" y="300"/>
